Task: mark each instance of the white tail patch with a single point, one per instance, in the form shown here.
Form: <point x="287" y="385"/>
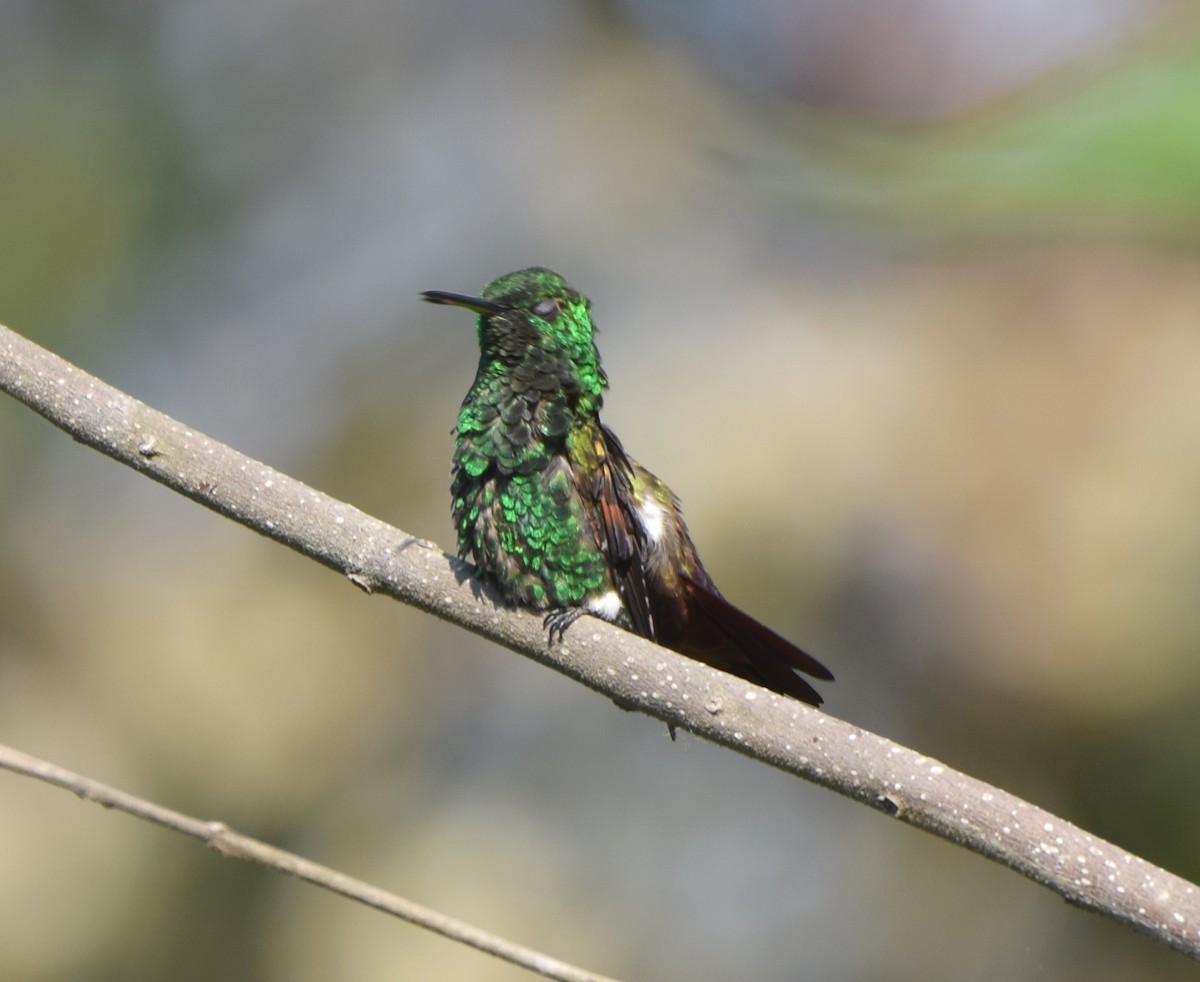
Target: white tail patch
<point x="607" y="606"/>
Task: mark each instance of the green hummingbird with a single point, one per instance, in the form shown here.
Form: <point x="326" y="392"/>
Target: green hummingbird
<point x="554" y="512"/>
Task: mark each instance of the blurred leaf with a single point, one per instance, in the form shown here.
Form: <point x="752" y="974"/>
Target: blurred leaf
<point x="1117" y="153"/>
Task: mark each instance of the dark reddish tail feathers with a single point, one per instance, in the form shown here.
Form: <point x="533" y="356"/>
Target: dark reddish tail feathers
<point x="765" y="657"/>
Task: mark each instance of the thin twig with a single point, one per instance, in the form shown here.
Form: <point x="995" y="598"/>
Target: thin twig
<point x="637" y="674"/>
<point x="230" y="843"/>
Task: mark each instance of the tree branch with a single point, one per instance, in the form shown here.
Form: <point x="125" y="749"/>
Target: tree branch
<point x="918" y="790"/>
<point x="227" y="842"/>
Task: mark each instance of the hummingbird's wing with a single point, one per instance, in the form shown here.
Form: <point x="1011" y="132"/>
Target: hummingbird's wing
<point x="620" y="533"/>
<point x="669" y="596"/>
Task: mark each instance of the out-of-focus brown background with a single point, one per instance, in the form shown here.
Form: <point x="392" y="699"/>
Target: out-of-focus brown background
<point x="905" y="308"/>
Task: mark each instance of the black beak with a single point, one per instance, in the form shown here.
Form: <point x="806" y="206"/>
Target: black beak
<point x="477" y="304"/>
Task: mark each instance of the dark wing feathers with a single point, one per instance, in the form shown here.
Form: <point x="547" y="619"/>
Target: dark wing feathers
<point x="743" y="645"/>
<point x="612" y="493"/>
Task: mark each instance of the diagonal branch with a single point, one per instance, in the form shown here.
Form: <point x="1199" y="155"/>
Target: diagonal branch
<point x="920" y="791"/>
<point x="230" y="843"/>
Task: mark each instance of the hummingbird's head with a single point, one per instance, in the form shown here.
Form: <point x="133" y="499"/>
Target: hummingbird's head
<point x="532" y="321"/>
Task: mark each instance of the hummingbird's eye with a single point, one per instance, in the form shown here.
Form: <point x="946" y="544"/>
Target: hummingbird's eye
<point x="546" y="308"/>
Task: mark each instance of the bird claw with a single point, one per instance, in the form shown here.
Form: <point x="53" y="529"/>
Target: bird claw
<point x="557" y="621"/>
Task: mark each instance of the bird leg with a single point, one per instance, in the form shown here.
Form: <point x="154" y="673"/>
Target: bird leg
<point x="558" y="620"/>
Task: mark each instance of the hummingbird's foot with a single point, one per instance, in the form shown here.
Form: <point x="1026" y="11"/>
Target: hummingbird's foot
<point x="557" y="621"/>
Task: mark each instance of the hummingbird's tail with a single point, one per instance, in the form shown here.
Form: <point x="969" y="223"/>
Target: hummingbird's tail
<point x="750" y="650"/>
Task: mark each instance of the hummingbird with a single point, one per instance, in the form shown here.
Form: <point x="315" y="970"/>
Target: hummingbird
<point x="559" y="518"/>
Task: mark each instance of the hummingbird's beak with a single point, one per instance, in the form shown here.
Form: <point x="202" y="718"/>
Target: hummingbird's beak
<point x="477" y="304"/>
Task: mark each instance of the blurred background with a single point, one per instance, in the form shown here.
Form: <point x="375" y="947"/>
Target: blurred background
<point x="902" y="302"/>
